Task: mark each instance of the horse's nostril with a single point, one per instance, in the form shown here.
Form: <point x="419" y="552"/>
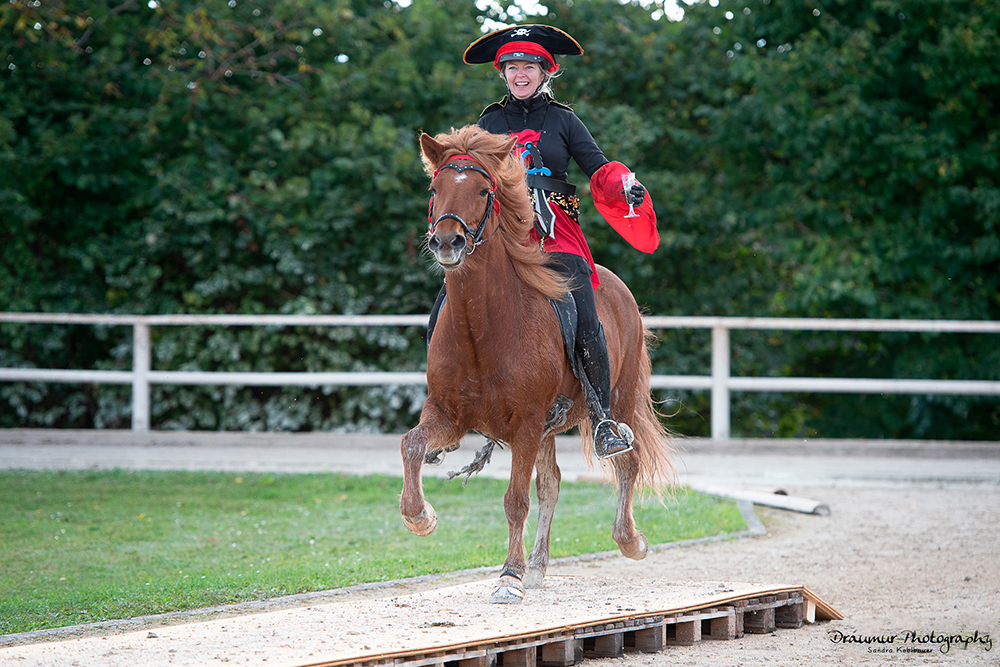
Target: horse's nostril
<point x="458" y="242"/>
<point x="433" y="244"/>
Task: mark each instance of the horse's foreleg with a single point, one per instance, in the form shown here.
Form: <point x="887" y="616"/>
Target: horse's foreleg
<point x="547" y="479"/>
<point x="516" y="503"/>
<point x="630" y="541"/>
<point x="434" y="430"/>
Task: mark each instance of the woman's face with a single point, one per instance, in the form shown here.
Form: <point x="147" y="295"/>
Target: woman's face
<point x="523" y="78"/>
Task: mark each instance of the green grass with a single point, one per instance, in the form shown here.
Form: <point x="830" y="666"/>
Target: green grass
<point x="79" y="547"/>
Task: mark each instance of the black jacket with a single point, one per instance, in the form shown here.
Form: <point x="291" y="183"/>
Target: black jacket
<point x="563" y="135"/>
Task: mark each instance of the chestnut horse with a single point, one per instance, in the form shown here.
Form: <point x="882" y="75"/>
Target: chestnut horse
<point x="496" y="362"/>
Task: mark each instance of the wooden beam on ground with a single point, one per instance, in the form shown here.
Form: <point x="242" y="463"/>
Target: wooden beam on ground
<point x="556" y="626"/>
<point x="776" y="500"/>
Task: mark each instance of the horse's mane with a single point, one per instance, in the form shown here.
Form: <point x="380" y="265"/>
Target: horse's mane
<point x="516" y="213"/>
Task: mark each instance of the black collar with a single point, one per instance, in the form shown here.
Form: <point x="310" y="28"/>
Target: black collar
<point x="529" y="105"/>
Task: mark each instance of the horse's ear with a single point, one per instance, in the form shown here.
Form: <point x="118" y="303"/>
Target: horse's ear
<point x="433" y="151"/>
<point x="511" y="142"/>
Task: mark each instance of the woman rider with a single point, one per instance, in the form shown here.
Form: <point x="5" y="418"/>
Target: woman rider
<point x="549" y="135"/>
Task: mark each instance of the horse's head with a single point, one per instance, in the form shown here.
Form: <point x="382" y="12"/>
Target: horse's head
<point x="463" y="201"/>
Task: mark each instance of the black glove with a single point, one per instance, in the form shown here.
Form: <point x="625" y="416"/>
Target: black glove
<point x="635" y="195"/>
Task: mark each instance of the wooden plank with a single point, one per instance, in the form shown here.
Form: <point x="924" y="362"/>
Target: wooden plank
<point x="789" y="616"/>
<point x="686" y="633"/>
<point x="723" y="627"/>
<point x="446" y="625"/>
<point x="435" y="659"/>
<point x="421" y="661"/>
<point x="521" y="657"/>
<point x="560" y="653"/>
<point x="608" y="646"/>
<point x="778" y="501"/>
<point x="650" y="639"/>
<point x="824" y="612"/>
<point x="739" y="606"/>
<point x="759" y="622"/>
<point x="485" y="660"/>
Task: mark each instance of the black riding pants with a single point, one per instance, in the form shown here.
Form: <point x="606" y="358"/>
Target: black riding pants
<point x="577" y="271"/>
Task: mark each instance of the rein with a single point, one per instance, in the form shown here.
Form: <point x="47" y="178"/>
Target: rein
<point x="491" y="203"/>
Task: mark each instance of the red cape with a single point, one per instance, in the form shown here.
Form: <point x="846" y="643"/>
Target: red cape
<point x="606" y="188"/>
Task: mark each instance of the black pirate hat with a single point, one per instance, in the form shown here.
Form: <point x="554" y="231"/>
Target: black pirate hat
<point x="534" y="42"/>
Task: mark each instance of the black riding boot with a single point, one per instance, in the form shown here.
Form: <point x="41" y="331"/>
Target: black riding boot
<point x="607" y="443"/>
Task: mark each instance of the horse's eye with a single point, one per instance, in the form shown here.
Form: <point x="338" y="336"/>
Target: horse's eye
<point x="484" y="192"/>
<point x="433" y="192"/>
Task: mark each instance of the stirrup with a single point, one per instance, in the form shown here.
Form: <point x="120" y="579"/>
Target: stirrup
<point x="612" y="445"/>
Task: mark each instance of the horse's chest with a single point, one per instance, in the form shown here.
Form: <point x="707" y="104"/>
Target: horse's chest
<point x="493" y="381"/>
<point x="485" y="393"/>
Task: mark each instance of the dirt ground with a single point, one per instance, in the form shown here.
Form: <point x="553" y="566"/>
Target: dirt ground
<point x="911" y="561"/>
<point x="921" y="558"/>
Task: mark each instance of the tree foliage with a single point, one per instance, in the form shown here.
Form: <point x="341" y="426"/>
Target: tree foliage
<point x="830" y="159"/>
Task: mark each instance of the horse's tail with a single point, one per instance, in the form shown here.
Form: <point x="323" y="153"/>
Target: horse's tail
<point x="652" y="440"/>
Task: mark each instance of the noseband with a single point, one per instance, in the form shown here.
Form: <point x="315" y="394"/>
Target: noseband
<point x="491" y="204"/>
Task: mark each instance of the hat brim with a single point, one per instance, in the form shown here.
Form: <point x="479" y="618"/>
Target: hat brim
<point x="553" y="40"/>
<point x="531" y="57"/>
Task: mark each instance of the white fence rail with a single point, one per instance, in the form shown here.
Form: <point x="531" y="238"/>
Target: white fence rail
<point x="721" y="383"/>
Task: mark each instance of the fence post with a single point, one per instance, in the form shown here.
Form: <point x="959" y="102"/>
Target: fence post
<point x="141" y="356"/>
<point x="720" y="383"/>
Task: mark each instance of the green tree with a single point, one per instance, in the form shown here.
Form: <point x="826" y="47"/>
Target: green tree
<point x="833" y="159"/>
<point x="219" y="157"/>
<point x="866" y="140"/>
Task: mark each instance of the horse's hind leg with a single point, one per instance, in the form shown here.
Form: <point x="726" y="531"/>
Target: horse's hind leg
<point x="433" y="431"/>
<point x="547" y="479"/>
<point x="630" y="541"/>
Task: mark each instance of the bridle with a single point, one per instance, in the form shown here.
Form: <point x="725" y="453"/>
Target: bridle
<point x="492" y="205"/>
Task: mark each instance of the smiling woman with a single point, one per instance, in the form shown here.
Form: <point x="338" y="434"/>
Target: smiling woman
<point x="546" y="136"/>
<point x="523" y="78"/>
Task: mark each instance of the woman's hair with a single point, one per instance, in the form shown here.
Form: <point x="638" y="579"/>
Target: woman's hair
<point x="546" y="86"/>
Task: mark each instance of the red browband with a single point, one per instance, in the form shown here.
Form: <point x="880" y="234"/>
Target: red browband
<point x="461" y="157"/>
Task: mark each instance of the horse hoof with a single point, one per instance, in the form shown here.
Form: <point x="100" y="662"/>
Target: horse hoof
<point x="508" y="591"/>
<point x="534" y="578"/>
<point x="637" y="549"/>
<point x="424" y="523"/>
